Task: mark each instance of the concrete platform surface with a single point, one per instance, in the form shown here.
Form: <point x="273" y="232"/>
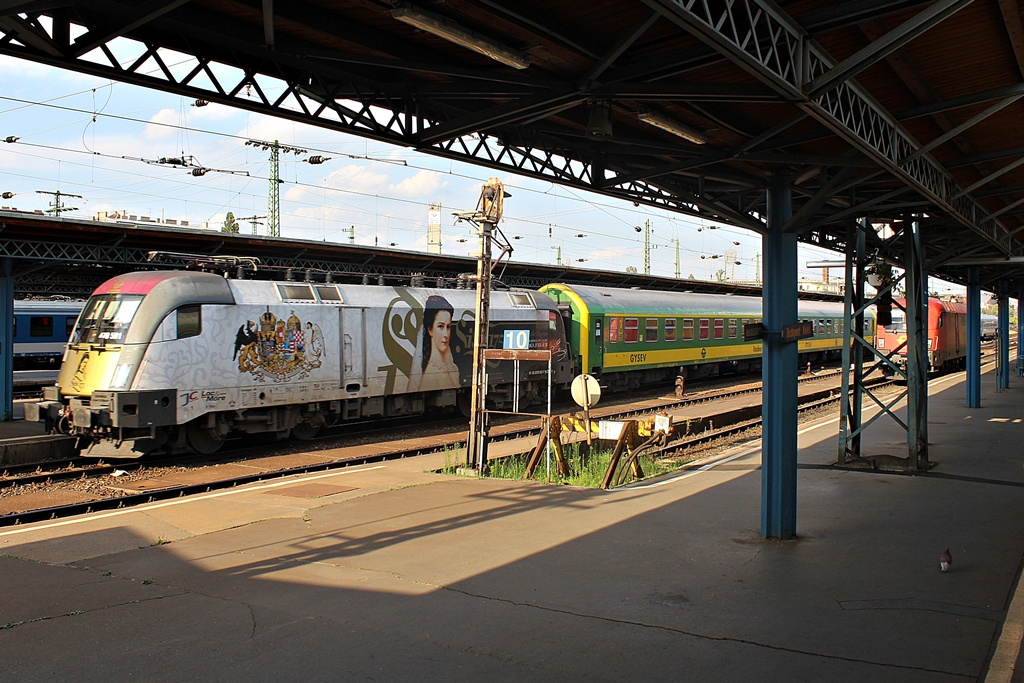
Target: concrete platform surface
<point x="390" y="572"/>
<point x="17" y="426"/>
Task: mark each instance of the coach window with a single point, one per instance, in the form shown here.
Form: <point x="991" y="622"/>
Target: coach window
<point x="670" y="329"/>
<point x="631" y="330"/>
<point x="613" y="331"/>
<point x="40" y="326"/>
<point x="732" y="328"/>
<point x="651" y="329"/>
<point x="687" y="330"/>
<point x="704" y="331"/>
<point x="69" y="326"/>
<point x="189" y="321"/>
<point x="719" y="328"/>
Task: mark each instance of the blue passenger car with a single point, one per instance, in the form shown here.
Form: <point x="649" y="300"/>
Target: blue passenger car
<point x="41" y="330"/>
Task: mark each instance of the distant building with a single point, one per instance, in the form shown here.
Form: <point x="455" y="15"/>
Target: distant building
<point x="834" y="286"/>
<point x="126" y="217"/>
<point x="434" y="229"/>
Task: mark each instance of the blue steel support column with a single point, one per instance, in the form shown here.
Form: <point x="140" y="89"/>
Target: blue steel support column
<point x="916" y="280"/>
<point x="778" y="440"/>
<point x="1003" y="346"/>
<point x="851" y="407"/>
<point x="6" y="339"/>
<point x="1020" y="333"/>
<point x="973" y="339"/>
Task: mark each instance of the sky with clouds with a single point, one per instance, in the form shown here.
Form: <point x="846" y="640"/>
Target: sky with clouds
<point x="100" y="139"/>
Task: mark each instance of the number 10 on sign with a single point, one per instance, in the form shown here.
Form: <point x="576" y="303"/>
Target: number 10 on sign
<point x="517" y="339"/>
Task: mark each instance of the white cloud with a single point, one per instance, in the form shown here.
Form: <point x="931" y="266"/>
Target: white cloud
<point x="358" y="178"/>
<point x="613" y="254"/>
<point x="424" y="185"/>
<point x="261" y="127"/>
<point x="15" y="69"/>
<point x="213" y="112"/>
<point x="163" y="120"/>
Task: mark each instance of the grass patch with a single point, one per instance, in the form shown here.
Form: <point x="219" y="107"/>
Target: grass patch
<point x="584" y="470"/>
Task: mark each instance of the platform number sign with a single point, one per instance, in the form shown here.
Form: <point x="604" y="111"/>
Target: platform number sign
<point x="517" y="339"/>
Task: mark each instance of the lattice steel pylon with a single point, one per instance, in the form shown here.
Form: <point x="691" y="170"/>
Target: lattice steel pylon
<point x="730" y="263"/>
<point x="647" y="247"/>
<point x="252" y="220"/>
<point x="274" y="194"/>
<point x="57" y="207"/>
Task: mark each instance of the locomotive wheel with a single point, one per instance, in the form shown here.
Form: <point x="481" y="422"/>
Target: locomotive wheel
<point x="304" y="431"/>
<point x="203" y="439"/>
<point x="464" y="402"/>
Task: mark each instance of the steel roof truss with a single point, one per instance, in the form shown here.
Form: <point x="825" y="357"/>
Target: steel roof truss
<point x="131" y="19"/>
<point x="503" y="114"/>
<point x="798" y="221"/>
<point x="488" y="150"/>
<point x="837" y="15"/>
<point x="616" y="51"/>
<point x="958" y="102"/>
<point x="766" y="42"/>
<point x="971" y="122"/>
<point x="878" y="49"/>
<point x="992" y="176"/>
<point x="1009" y="207"/>
<point x="29" y="34"/>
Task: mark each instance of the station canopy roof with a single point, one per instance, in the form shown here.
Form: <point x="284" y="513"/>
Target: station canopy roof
<point x="889" y="111"/>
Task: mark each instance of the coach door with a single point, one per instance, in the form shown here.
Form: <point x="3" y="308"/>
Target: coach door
<point x="597" y="346"/>
<point x="353" y="348"/>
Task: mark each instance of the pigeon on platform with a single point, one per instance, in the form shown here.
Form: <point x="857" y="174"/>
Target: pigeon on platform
<point x="946" y="561"/>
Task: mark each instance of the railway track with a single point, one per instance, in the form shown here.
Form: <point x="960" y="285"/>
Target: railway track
<point x="729" y="423"/>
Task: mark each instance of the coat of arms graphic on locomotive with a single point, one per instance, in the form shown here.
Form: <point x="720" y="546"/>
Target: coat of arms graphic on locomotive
<point x="278" y="348"/>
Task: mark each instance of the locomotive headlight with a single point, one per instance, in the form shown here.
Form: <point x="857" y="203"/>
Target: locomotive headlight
<point x="121" y="375"/>
<point x="929" y="344"/>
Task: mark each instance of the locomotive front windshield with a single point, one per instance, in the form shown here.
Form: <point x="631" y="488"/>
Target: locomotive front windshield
<point x="105" y="319"/>
<point x="898" y="325"/>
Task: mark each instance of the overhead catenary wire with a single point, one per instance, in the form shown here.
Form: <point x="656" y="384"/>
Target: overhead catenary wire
<point x="612" y="211"/>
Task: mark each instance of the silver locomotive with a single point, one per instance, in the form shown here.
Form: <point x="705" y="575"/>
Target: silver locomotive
<point x="179" y="361"/>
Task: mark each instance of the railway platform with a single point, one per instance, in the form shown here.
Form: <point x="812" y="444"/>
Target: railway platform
<point x="393" y="572"/>
<point x="28" y="442"/>
<point x="17" y="427"/>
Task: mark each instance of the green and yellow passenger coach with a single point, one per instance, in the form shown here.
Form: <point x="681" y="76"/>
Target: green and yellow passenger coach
<point x="630" y="337"/>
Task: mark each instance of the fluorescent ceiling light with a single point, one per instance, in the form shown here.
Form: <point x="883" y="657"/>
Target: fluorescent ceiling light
<point x="672" y="126"/>
<point x="449" y="30"/>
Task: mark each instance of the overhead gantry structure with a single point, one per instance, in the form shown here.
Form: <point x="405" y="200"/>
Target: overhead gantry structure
<point x="798" y="122"/>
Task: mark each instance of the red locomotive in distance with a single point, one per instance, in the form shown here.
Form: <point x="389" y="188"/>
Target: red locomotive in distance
<point x="946" y="336"/>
